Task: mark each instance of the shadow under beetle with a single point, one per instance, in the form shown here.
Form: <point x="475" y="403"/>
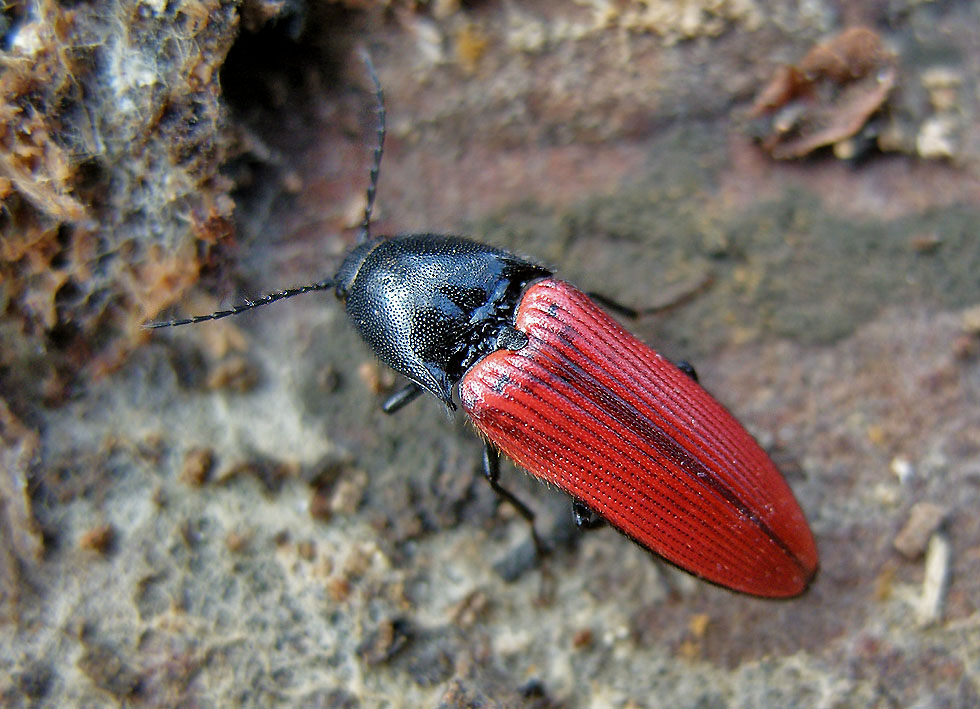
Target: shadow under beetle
<point x="550" y="379"/>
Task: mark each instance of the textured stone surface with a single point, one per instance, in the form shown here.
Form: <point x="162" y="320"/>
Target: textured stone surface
<point x="224" y="516"/>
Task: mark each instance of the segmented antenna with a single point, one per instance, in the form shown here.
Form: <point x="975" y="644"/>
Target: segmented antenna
<point x="365" y="232"/>
<point x="363" y="235"/>
<point x="242" y="307"/>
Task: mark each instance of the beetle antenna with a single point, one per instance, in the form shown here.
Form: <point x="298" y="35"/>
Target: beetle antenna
<point x="363" y="235"/>
<point x="242" y="307"/>
<point x="365" y="232"/>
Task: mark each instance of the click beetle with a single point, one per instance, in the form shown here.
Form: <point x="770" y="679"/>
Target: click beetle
<point x="553" y="381"/>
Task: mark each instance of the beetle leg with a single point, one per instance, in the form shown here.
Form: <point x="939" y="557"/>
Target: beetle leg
<point x="615" y="306"/>
<point x="687" y="368"/>
<point x="491" y="471"/>
<point x="632" y="313"/>
<point x="404" y="396"/>
<point x="675" y="301"/>
<point x="585" y="517"/>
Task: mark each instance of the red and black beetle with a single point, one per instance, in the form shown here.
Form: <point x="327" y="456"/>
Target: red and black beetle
<point x="553" y="381"/>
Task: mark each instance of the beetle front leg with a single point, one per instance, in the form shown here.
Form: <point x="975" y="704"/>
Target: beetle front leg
<point x="404" y="396"/>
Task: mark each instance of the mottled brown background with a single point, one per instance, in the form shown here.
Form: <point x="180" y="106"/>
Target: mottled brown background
<point x="221" y="515"/>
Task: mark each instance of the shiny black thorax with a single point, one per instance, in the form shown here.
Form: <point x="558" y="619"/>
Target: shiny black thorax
<point x="432" y="305"/>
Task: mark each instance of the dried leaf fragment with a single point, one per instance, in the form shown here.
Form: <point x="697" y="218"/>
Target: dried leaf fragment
<point x="829" y="97"/>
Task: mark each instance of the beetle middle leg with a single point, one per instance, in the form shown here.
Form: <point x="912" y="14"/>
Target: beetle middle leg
<point x="682" y="297"/>
<point x="491" y="461"/>
<point x="632" y="313"/>
<point x="615" y="306"/>
<point x="585" y="517"/>
<point x="491" y="471"/>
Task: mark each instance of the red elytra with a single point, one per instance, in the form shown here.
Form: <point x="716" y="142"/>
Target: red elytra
<point x="594" y="411"/>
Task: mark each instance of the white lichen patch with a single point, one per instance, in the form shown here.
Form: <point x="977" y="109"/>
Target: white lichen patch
<point x="676" y="21"/>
